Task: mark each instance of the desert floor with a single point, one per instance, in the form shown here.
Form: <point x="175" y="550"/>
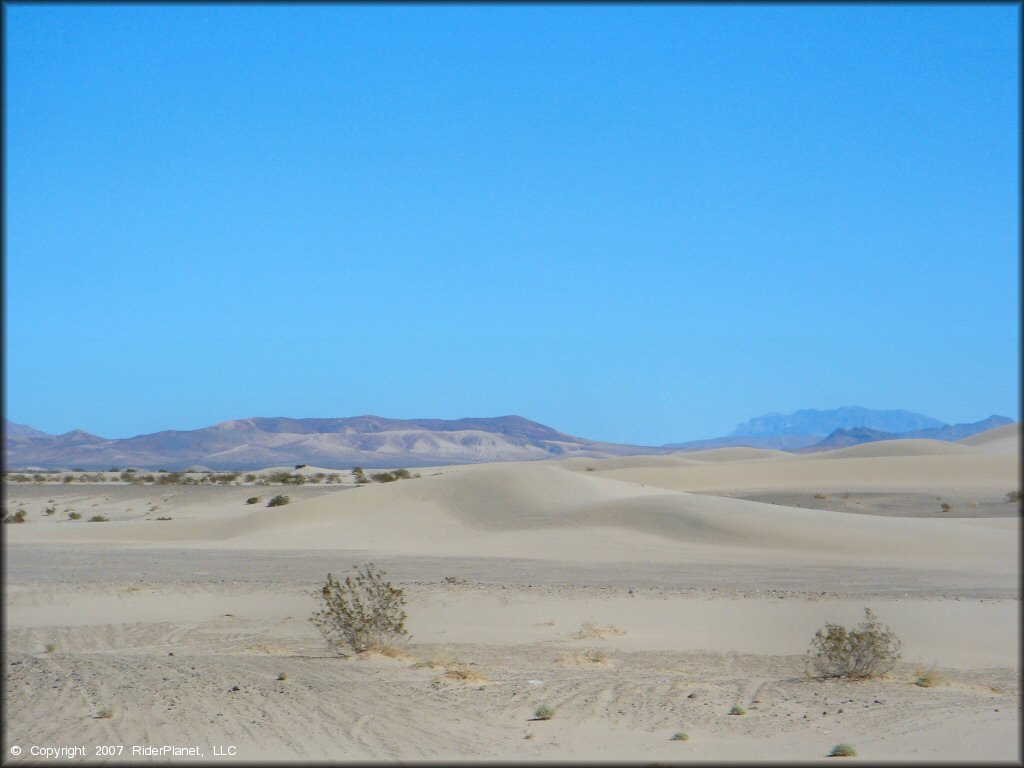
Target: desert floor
<point x="638" y="597"/>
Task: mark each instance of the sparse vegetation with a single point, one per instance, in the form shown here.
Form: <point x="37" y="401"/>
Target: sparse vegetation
<point x="99" y="519"/>
<point x="680" y="736"/>
<point x="543" y="712"/>
<point x="72" y="515"/>
<point x="252" y="500"/>
<point x="51" y="647"/>
<point x="362" y="613"/>
<point x="870" y="650"/>
<point x="820" y="496"/>
<point x="843" y="750"/>
<point x="50" y="510"/>
<point x="360" y="476"/>
<point x="17" y="517"/>
<point x="946" y="506"/>
<point x="737" y="710"/>
<point x="278" y="501"/>
<point x="164" y="518"/>
<point x="282" y="676"/>
<point x="106" y="713"/>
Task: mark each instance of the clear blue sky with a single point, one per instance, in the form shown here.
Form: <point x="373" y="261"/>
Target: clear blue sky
<point x="636" y="224"/>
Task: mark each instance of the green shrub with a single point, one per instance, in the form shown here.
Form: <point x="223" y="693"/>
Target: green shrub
<point x="282" y="676"/>
<point x="51" y="647"/>
<point x="106" y="713"/>
<point x="680" y="736"/>
<point x="17" y="517"/>
<point x="843" y="750"/>
<point x="870" y="650"/>
<point x="99" y="519"/>
<point x="72" y="515"/>
<point x="737" y="710"/>
<point x="544" y="712"/>
<point x="278" y="501"/>
<point x="252" y="500"/>
<point x="360" y="476"/>
<point x="384" y="477"/>
<point x="50" y="510"/>
<point x="361" y="613"/>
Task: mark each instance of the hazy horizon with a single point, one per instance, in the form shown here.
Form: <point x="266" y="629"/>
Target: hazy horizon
<point x="637" y="224"/>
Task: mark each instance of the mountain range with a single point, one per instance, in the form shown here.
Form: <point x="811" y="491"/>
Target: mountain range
<point x="373" y="441"/>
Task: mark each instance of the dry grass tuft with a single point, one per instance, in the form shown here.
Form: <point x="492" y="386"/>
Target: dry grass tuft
<point x="926" y="678"/>
<point x="588" y="631"/>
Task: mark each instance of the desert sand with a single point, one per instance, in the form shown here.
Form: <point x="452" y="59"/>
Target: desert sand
<point x="637" y="596"/>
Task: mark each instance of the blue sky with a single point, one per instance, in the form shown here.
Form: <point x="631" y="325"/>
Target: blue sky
<point x="635" y="224"/>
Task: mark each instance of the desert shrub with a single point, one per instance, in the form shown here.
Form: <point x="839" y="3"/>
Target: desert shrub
<point x="299" y="466"/>
<point x="384" y="477"/>
<point x="402" y="474"/>
<point x="1015" y="497"/>
<point x="926" y="678"/>
<point x="68" y="478"/>
<point x="820" y="496"/>
<point x="99" y="519"/>
<point x="590" y="469"/>
<point x="282" y="676"/>
<point x="360" y="476"/>
<point x="544" y="712"/>
<point x="843" y="750"/>
<point x="72" y="515"/>
<point x="252" y="500"/>
<point x="278" y="501"/>
<point x="680" y="736"/>
<point x="250" y="478"/>
<point x="164" y="518"/>
<point x="50" y="510"/>
<point x="361" y="613"/>
<point x="17" y="517"/>
<point x="737" y="710"/>
<point x="946" y="506"/>
<point x="51" y="647"/>
<point x="106" y="713"/>
<point x="869" y="650"/>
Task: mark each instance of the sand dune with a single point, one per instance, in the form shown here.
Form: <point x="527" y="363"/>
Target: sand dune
<point x="1004" y="439"/>
<point x="695" y="600"/>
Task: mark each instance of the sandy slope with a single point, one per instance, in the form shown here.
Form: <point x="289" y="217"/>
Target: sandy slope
<point x="611" y="590"/>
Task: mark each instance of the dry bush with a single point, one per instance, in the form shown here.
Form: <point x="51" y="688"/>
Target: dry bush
<point x="462" y="673"/>
<point x="926" y="678"/>
<point x="589" y="656"/>
<point x="870" y="650"/>
<point x="362" y="613"/>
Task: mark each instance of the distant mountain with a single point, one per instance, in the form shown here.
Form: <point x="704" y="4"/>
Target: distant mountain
<point x="21" y="430"/>
<point x="368" y="441"/>
<point x="373" y="441"/>
<point x="814" y="422"/>
<point x="842" y="438"/>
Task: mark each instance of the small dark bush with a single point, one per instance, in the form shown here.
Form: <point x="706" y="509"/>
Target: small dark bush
<point x="17" y="517"/>
<point x="252" y="500"/>
<point x="278" y="501"/>
<point x="99" y="519"/>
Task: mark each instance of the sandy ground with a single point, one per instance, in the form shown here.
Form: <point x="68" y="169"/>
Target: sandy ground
<point x="638" y="597"/>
